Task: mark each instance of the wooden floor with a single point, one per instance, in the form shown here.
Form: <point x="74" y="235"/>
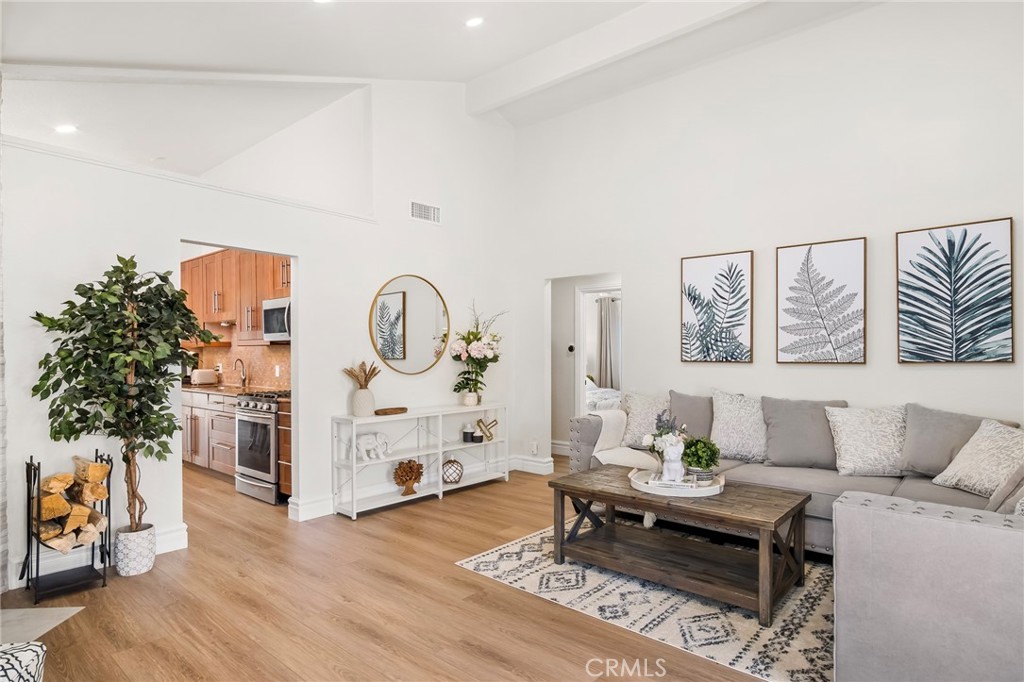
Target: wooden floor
<point x="259" y="597"/>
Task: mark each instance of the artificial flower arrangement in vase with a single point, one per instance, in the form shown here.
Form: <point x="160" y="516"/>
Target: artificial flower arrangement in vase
<point x="363" y="403"/>
<point x="478" y="348"/>
<point x="667" y="443"/>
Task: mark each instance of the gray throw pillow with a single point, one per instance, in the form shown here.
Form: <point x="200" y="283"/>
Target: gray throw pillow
<point x="693" y="410"/>
<point x="641" y="416"/>
<point x="989" y="458"/>
<point x="934" y="438"/>
<point x="798" y="433"/>
<point x="1006" y="495"/>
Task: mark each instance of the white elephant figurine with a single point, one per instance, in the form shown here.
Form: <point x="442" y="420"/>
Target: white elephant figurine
<point x="372" y="446"/>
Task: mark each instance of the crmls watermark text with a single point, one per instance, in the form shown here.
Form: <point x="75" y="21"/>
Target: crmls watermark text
<point x="614" y="667"/>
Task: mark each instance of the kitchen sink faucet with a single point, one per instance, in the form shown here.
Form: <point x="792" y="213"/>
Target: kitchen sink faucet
<point x="234" y="366"/>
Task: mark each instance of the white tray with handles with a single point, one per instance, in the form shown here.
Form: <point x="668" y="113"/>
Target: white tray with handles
<point x="640" y="480"/>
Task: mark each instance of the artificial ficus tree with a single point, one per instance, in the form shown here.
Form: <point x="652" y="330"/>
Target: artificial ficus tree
<point x="118" y="355"/>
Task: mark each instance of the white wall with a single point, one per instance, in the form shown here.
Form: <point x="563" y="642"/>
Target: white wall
<point x="900" y="116"/>
<point x="64" y="220"/>
<point x="563" y="333"/>
<point x="323" y="159"/>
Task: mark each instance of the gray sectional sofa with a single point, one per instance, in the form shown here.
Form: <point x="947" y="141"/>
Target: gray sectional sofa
<point x="824" y="484"/>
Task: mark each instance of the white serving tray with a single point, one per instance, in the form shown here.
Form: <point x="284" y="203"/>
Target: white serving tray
<point x="639" y="479"/>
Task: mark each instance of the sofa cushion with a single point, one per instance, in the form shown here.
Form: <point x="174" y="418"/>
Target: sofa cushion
<point x="633" y="458"/>
<point x="738" y="427"/>
<point x="798" y="433"/>
<point x="934" y="438"/>
<point x="989" y="458"/>
<point x="693" y="410"/>
<point x="824" y="485"/>
<point x="869" y="442"/>
<point x="921" y="489"/>
<point x="1008" y="493"/>
<point x="727" y="464"/>
<point x="641" y="415"/>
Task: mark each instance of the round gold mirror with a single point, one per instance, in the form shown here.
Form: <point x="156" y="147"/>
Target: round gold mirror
<point x="409" y="324"/>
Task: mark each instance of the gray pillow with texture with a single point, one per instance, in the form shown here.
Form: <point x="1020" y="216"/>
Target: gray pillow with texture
<point x="696" y="411"/>
<point x="989" y="459"/>
<point x="798" y="433"/>
<point x="868" y="441"/>
<point x="934" y="438"/>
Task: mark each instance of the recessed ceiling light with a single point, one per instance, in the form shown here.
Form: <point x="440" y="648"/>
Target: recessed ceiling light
<point x="66" y="128"/>
<point x="474" y="22"/>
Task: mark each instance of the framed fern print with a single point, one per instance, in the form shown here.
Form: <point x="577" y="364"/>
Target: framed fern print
<point x="389" y="325"/>
<point x="820" y="302"/>
<point x="717" y="308"/>
<point x="955" y="293"/>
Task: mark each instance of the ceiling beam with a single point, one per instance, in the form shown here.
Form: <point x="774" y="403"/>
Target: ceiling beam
<point x="93" y="74"/>
<point x="643" y="28"/>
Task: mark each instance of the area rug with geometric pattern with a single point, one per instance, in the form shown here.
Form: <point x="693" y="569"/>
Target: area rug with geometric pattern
<point x="797" y="647"/>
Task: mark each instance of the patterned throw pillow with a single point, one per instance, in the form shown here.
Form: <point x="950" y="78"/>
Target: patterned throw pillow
<point x="641" y="414"/>
<point x="990" y="457"/>
<point x="869" y="442"/>
<point x="1019" y="509"/>
<point x="738" y="427"/>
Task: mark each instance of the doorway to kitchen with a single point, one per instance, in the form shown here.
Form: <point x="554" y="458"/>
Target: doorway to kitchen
<point x="586" y="350"/>
<point x="236" y="404"/>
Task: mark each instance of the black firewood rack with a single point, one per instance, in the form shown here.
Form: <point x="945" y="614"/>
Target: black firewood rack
<point x="71" y="579"/>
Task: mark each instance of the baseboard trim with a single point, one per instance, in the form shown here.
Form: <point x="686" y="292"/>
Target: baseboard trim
<point x="560" y="447"/>
<point x="307" y="509"/>
<point x="532" y="465"/>
<point x="168" y="539"/>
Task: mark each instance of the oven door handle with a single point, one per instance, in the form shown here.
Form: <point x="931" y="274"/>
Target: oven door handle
<point x="257" y="418"/>
<point x="243" y="479"/>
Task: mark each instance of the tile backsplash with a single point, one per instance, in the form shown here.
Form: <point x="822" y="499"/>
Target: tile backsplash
<point x="259" y="364"/>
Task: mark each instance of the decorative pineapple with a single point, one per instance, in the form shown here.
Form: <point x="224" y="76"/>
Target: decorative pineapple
<point x="408" y="474"/>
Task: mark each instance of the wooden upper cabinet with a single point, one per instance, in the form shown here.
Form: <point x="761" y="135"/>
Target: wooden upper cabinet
<point x="253" y="285"/>
<point x="280" y="277"/>
<point x="220" y="276"/>
<point x="192" y="283"/>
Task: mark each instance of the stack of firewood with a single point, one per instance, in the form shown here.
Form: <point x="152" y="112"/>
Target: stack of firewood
<point x="65" y="517"/>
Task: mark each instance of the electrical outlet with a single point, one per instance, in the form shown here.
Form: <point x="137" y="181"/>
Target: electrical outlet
<point x="277" y="370"/>
<point x="218" y="368"/>
<point x="533" y="447"/>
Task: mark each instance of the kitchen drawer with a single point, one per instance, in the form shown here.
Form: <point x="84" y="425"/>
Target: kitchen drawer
<point x="193" y="399"/>
<point x="284" y="445"/>
<point x="222" y="427"/>
<point x="222" y="457"/>
<point x="284" y="419"/>
<point x="224" y="403"/>
<point x="284" y="478"/>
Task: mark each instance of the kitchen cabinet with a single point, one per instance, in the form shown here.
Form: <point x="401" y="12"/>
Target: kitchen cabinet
<point x="284" y="446"/>
<point x="280" y="276"/>
<point x="208" y="430"/>
<point x="220" y="280"/>
<point x="255" y="284"/>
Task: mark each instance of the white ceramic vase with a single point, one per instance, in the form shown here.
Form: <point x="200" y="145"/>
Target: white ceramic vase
<point x="363" y="404"/>
<point x="135" y="553"/>
<point x="470" y="399"/>
<point x="672" y="469"/>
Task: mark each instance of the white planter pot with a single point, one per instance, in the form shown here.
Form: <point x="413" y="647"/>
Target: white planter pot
<point x="363" y="403"/>
<point x="135" y="553"/>
<point x="470" y="399"/>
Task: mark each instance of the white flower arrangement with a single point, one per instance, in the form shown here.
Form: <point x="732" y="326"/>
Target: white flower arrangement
<point x="666" y="435"/>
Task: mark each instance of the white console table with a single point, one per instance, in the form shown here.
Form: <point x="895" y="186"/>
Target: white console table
<point x="429" y="435"/>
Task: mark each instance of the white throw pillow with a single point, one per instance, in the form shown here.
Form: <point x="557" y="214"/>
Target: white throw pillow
<point x="738" y="427"/>
<point x="989" y="458"/>
<point x="641" y="416"/>
<point x="869" y="442"/>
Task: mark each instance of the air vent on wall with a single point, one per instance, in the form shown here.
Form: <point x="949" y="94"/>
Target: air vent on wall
<point x="432" y="214"/>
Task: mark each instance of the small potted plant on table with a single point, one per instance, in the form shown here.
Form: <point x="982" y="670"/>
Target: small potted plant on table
<point x="701" y="456"/>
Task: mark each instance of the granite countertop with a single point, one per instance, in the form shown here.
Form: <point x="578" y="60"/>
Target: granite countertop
<point x="224" y="389"/>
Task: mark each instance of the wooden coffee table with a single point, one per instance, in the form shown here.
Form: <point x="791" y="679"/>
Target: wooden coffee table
<point x="750" y="580"/>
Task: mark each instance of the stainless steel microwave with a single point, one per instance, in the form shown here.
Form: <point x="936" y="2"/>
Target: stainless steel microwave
<point x="277" y="320"/>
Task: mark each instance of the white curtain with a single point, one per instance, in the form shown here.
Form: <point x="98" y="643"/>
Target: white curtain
<point x="609" y="343"/>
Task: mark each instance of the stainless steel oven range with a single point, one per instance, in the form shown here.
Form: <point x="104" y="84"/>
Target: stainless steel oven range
<point x="256" y="444"/>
